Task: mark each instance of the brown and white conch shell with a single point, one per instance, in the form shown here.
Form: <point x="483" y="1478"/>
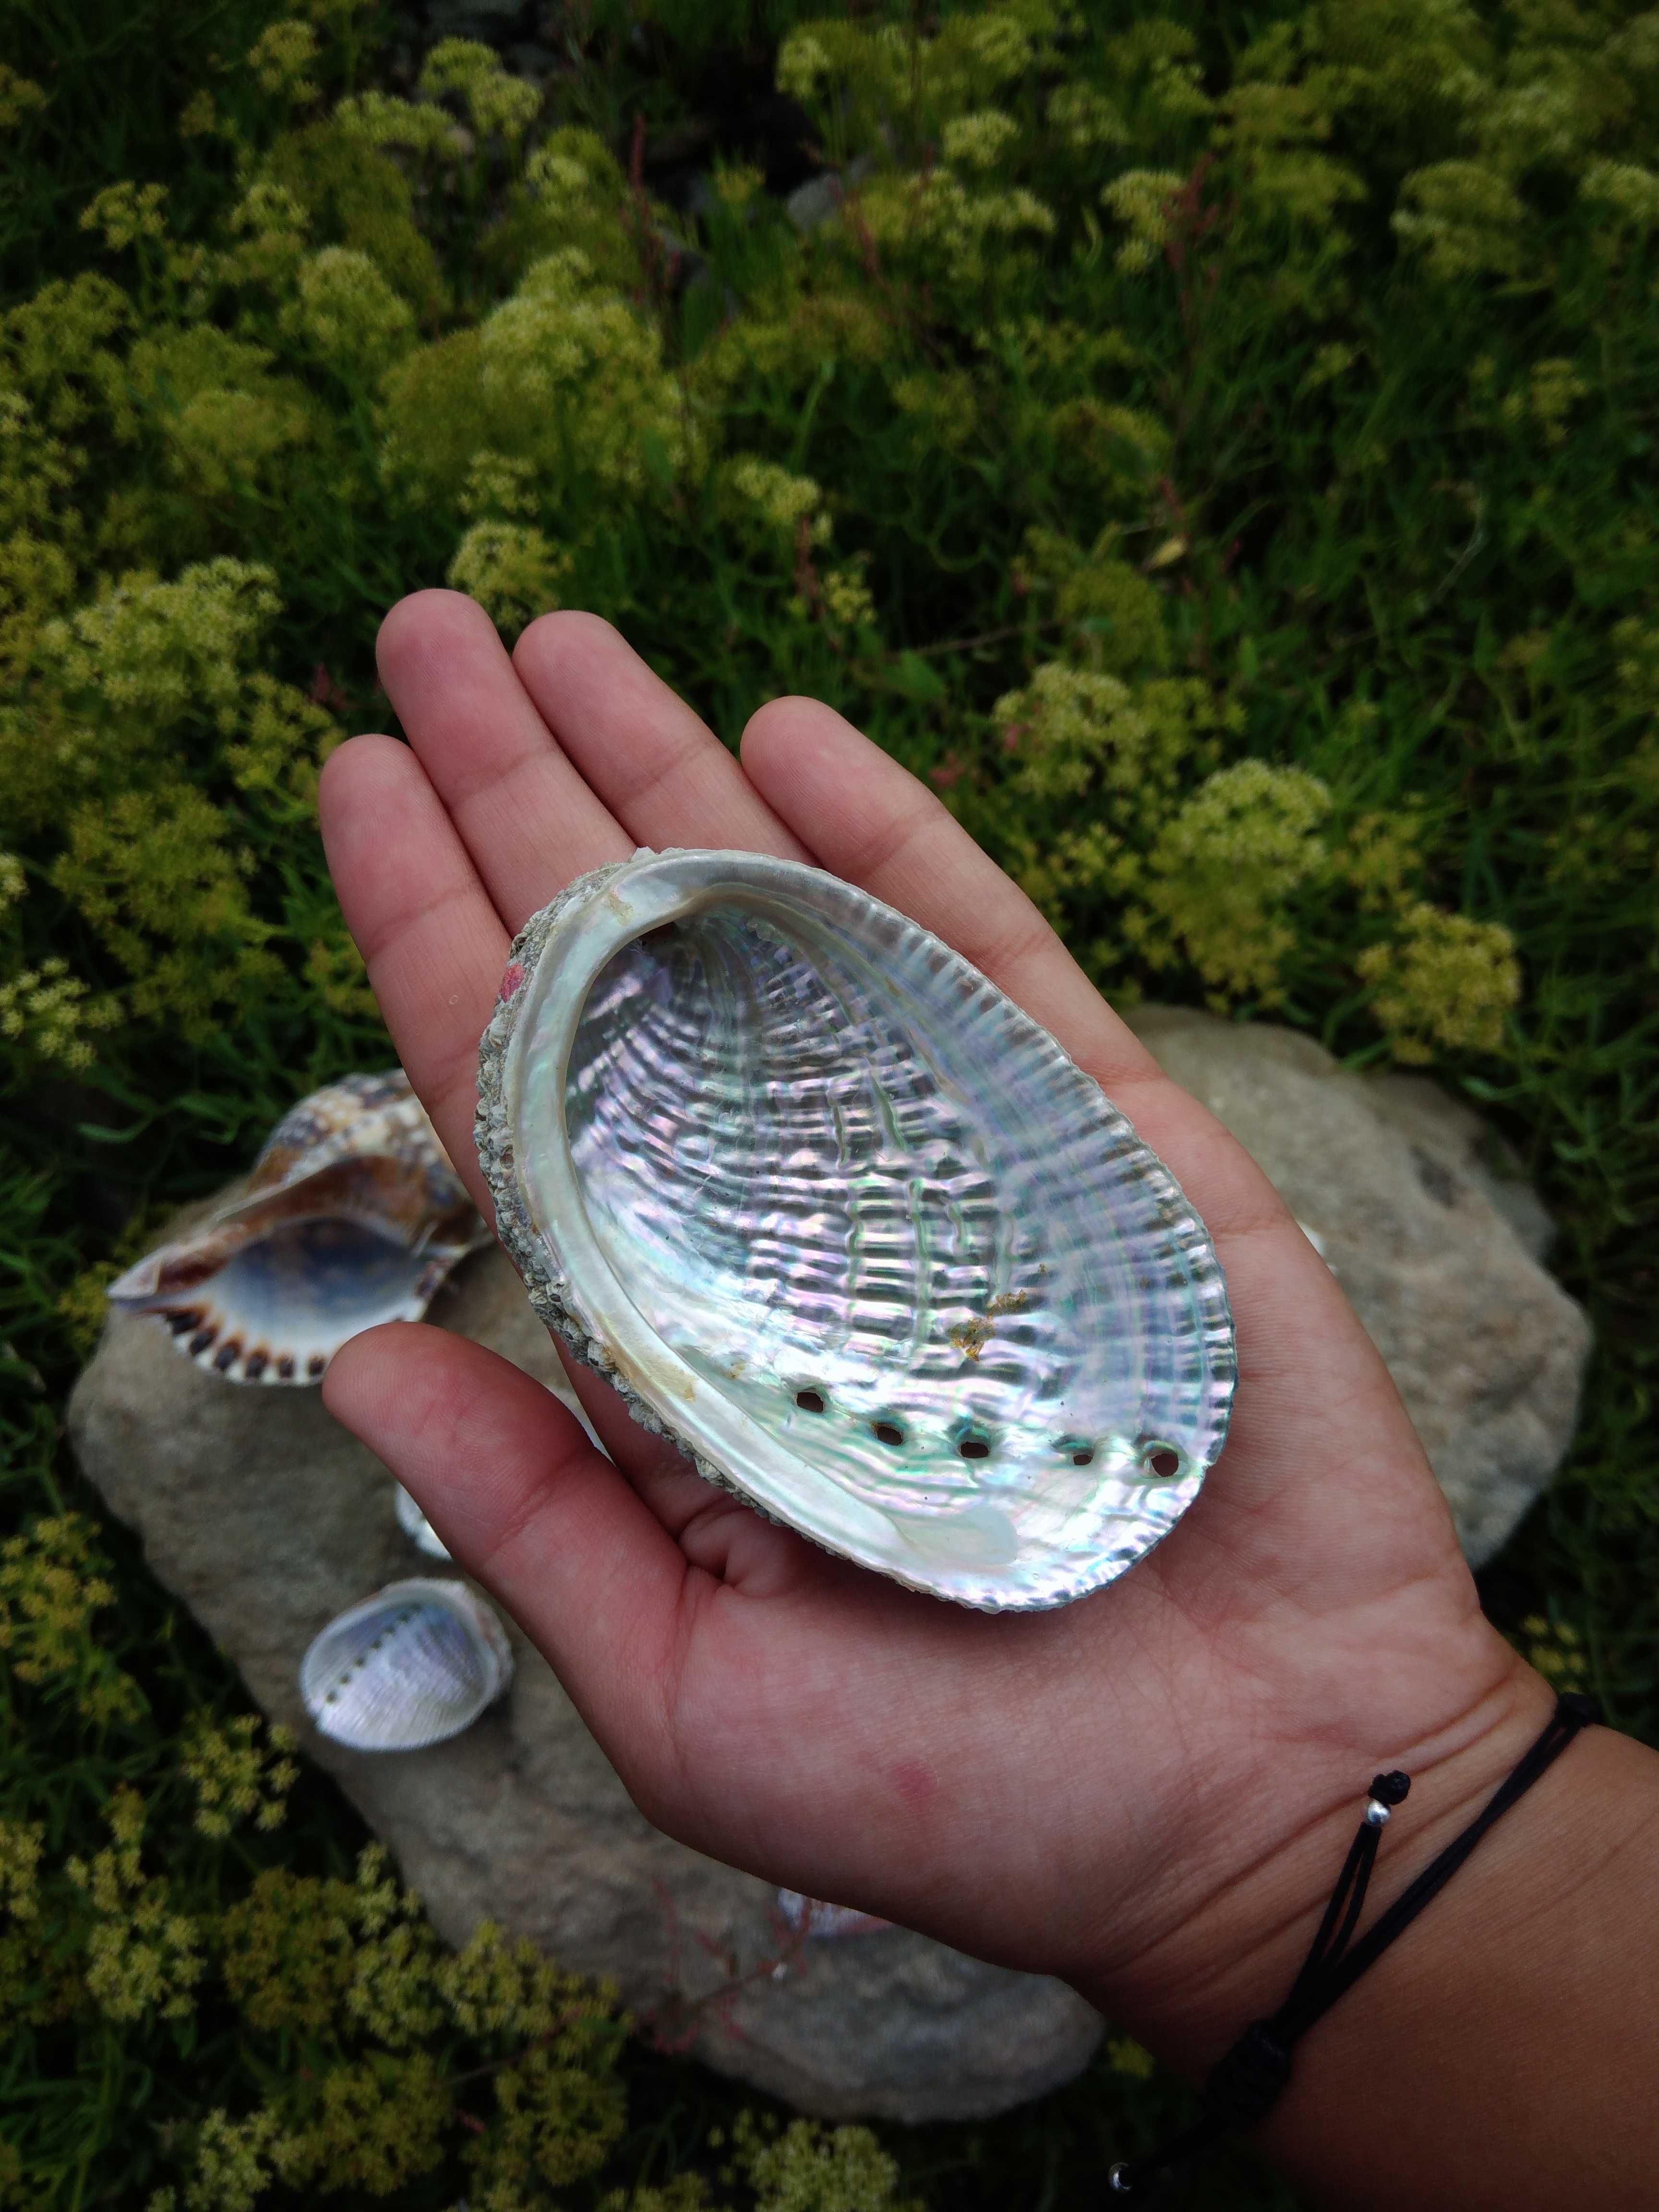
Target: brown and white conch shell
<point x="352" y="1216"/>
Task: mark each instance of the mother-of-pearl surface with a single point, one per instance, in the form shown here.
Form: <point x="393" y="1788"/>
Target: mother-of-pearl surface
<point x="841" y="1219"/>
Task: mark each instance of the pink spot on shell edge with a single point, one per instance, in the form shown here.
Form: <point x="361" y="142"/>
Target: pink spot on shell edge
<point x="512" y="981"/>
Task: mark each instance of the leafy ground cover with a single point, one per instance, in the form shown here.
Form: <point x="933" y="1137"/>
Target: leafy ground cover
<point x="1216" y="446"/>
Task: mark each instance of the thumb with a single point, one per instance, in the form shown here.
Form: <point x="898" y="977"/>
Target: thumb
<point x="527" y="1504"/>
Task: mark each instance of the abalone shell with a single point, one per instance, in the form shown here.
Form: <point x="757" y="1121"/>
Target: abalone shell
<point x="411" y="1666"/>
<point x="838" y="1216"/>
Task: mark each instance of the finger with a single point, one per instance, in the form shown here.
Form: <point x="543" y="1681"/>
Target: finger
<point x="869" y="820"/>
<point x="424" y="923"/>
<point x="524" y="814"/>
<point x="508" y="1480"/>
<point x="715" y="1529"/>
<point x="874" y="824"/>
<point x="656" y="1466"/>
<point x="659" y="768"/>
<point x="435" y="947"/>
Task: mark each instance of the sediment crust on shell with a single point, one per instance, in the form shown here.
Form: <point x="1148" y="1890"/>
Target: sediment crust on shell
<point x="548" y="1290"/>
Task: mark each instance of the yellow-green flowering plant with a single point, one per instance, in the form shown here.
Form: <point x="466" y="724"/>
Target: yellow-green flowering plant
<point x="1215" y="451"/>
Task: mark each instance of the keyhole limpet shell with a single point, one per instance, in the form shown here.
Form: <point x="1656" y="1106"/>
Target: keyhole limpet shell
<point x="411" y="1666"/>
<point x="837" y="1216"/>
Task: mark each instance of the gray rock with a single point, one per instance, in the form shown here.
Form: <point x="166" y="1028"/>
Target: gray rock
<point x="1420" y="1217"/>
<point x="823" y="196"/>
<point x="1448" y="1130"/>
<point x="816" y="201"/>
<point x="259" y="1512"/>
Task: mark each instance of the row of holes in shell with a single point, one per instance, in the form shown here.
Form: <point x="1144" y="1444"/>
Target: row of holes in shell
<point x="404" y="1614"/>
<point x="1160" y="1460"/>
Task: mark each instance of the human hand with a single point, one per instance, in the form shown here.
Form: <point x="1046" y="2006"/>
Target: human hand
<point x="1148" y="1791"/>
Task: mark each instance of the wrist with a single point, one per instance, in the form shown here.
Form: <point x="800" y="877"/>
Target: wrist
<point x="1502" y="2052"/>
<point x="1246" y="1909"/>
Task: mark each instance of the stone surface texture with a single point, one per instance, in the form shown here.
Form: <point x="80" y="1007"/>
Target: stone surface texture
<point x="266" y="1518"/>
<point x="1438" y="1247"/>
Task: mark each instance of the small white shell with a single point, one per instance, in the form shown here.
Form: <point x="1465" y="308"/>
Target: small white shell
<point x="413" y="1665"/>
<point x="416" y="1526"/>
<point x="814" y="1916"/>
<point x="413" y="1522"/>
<point x="352" y="1216"/>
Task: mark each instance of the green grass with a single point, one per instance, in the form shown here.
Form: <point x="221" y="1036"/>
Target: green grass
<point x="1318" y="476"/>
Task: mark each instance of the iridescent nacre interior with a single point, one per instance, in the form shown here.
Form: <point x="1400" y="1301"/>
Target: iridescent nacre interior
<point x="874" y="1211"/>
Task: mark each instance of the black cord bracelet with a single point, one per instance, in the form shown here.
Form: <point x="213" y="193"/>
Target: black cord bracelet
<point x="1244" y="2085"/>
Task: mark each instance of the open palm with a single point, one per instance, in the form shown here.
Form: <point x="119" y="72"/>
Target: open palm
<point x="1078" y="1792"/>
